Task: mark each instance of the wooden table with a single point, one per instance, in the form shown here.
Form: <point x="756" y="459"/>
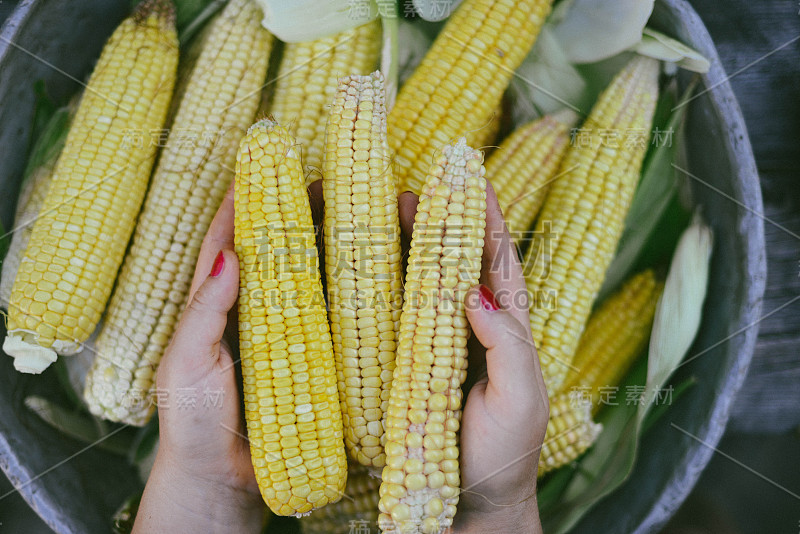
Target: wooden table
<point x="759" y="45"/>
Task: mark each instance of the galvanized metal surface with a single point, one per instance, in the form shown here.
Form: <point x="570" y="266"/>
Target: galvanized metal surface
<point x="725" y="183"/>
<point x="75" y="490"/>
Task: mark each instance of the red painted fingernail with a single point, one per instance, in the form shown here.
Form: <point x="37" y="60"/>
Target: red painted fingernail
<point x="488" y="301"/>
<point x="219" y="263"/>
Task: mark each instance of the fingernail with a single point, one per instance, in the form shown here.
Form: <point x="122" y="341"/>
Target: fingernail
<point x="219" y="264"/>
<point x="488" y="301"/>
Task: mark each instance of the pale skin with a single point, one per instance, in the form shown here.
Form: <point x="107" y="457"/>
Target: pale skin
<point x="203" y="481"/>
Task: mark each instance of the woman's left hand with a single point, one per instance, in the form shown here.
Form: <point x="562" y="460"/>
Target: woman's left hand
<point x="202" y="479"/>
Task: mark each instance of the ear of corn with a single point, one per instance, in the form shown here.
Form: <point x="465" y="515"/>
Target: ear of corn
<point x="307" y="80"/>
<point x="460" y="81"/>
<point x="522" y="169"/>
<point x="193" y="173"/>
<point x="570" y="432"/>
<point x="29" y="203"/>
<point x="98" y="185"/>
<point x="362" y="260"/>
<point x="582" y="217"/>
<point x="291" y="401"/>
<point x="358" y="507"/>
<point x="36" y="182"/>
<point x="420" y="485"/>
<point x="615" y="335"/>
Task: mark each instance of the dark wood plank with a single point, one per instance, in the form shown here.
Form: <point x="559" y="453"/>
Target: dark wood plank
<point x="752" y="40"/>
<point x="749" y="33"/>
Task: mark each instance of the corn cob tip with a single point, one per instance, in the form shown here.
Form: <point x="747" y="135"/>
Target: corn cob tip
<point x="265" y="124"/>
<point x="638" y="80"/>
<point x="566" y="116"/>
<point x="28" y="357"/>
<point x="162" y="9"/>
<point x="375" y="76"/>
<point x="356" y="84"/>
<point x="461" y="160"/>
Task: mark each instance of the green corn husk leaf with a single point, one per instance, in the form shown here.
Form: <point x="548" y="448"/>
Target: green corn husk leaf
<point x="289" y="21"/>
<point x="80" y="425"/>
<point x="51" y="140"/>
<point x="51" y="132"/>
<point x="611" y="460"/>
<point x="663" y="240"/>
<point x="657" y="45"/>
<point x="654" y="194"/>
<point x="592" y="30"/>
<point x="43" y="109"/>
<point x="551" y="487"/>
<point x="660" y="410"/>
<point x="560" y="512"/>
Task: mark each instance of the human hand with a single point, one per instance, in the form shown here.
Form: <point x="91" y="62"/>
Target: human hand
<point x="202" y="479"/>
<point x="505" y="415"/>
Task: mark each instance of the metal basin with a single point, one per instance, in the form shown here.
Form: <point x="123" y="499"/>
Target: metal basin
<point x="75" y="488"/>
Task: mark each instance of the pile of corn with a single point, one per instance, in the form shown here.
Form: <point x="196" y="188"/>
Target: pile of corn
<point x="377" y="379"/>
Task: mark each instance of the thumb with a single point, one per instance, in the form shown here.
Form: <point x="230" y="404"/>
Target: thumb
<point x="203" y="321"/>
<point x="511" y="360"/>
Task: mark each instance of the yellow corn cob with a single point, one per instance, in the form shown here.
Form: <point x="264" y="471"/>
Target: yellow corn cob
<point x="460" y="81"/>
<point x="36" y="183"/>
<point x="193" y="173"/>
<point x="357" y="509"/>
<point x="29" y="203"/>
<point x="523" y="167"/>
<point x="583" y="214"/>
<point x="420" y="485"/>
<point x="78" y="242"/>
<point x="290" y="393"/>
<point x="362" y="260"/>
<point x="615" y="335"/>
<point x="570" y="431"/>
<point x="307" y="80"/>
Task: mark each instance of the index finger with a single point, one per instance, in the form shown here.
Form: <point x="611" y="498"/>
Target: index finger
<point x="218" y="237"/>
<point x="501" y="269"/>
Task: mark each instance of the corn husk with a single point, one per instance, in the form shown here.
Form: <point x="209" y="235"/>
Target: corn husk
<point x="609" y="463"/>
<point x="657" y="45"/>
<point x="308" y="20"/>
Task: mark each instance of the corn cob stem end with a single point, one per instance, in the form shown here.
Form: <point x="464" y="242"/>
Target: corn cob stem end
<point x="28" y="357"/>
<point x="162" y="9"/>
